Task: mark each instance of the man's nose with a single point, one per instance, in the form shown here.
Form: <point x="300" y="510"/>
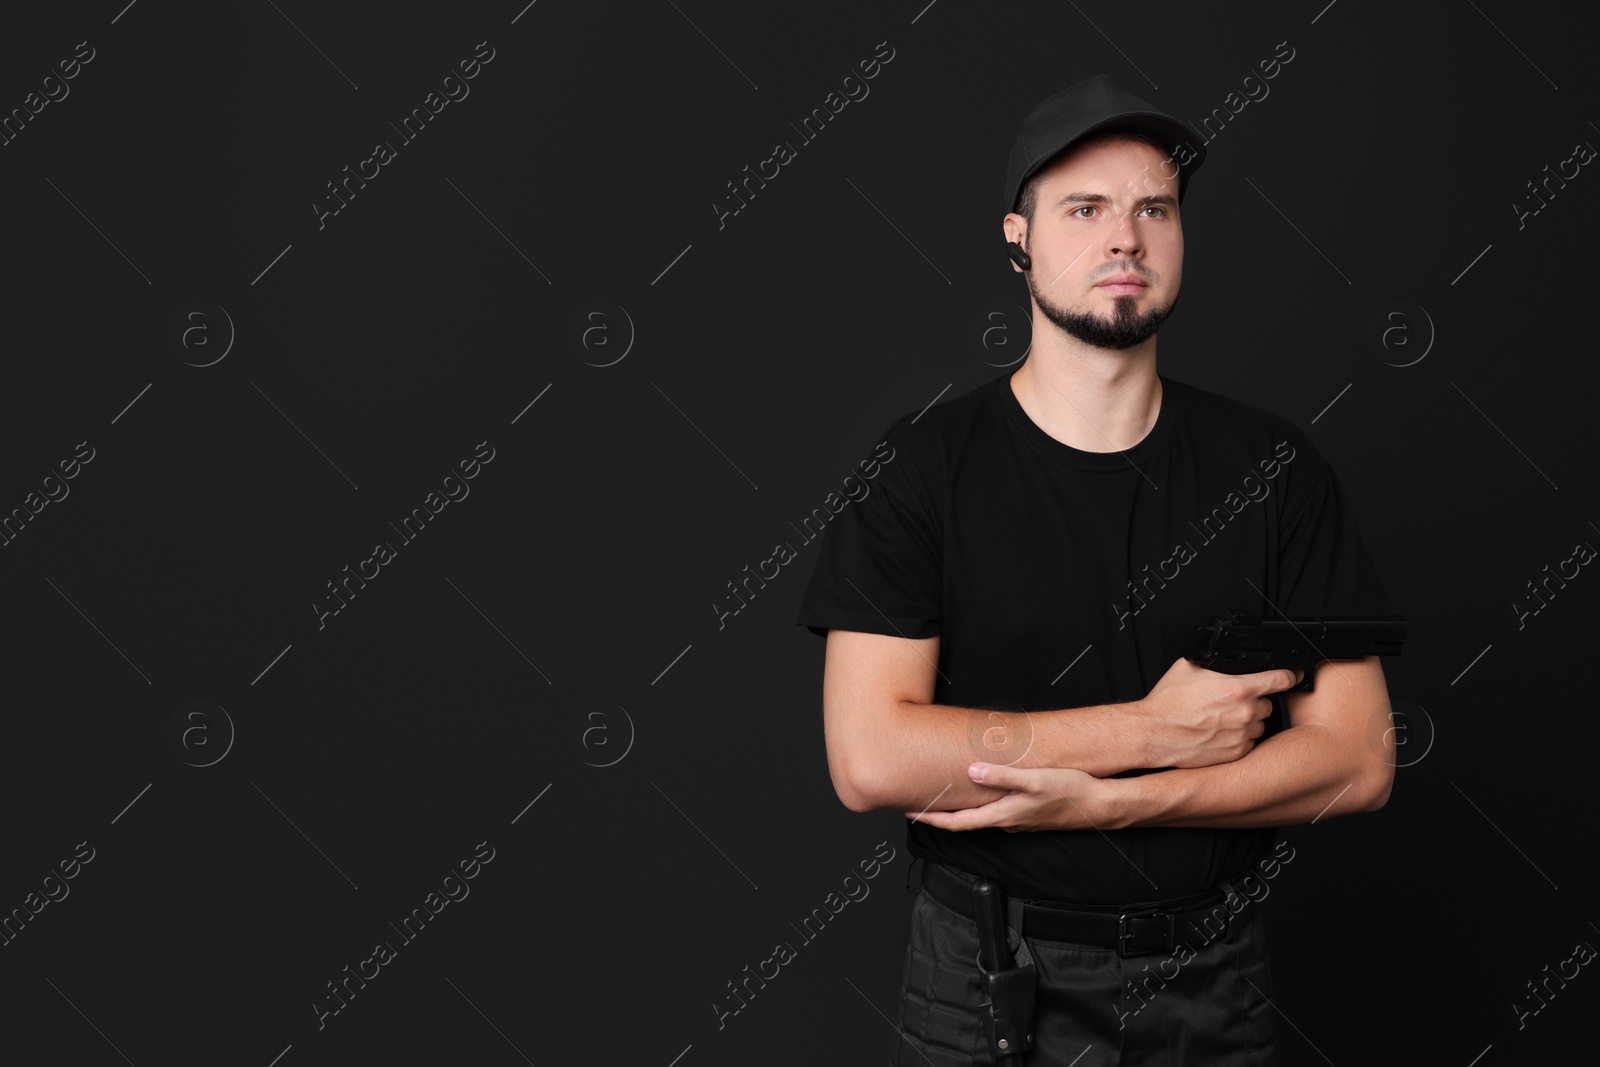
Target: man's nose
<point x="1125" y="238"/>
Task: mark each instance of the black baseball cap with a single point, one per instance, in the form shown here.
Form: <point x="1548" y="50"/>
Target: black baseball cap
<point x="1090" y="106"/>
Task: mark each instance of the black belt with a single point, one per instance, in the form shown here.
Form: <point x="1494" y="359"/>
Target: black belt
<point x="1156" y="926"/>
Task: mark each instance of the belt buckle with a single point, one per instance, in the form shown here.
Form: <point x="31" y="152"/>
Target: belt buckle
<point x="1124" y="935"/>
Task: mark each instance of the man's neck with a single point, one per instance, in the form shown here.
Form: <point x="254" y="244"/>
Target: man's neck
<point x="1094" y="401"/>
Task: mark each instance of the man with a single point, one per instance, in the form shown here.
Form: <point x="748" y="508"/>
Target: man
<point x="1005" y="613"/>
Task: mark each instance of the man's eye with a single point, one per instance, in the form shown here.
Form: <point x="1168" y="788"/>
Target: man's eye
<point x="1151" y="207"/>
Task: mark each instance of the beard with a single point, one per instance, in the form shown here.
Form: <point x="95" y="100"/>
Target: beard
<point x="1125" y="327"/>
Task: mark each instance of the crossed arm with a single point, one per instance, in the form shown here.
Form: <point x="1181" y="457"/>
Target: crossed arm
<point x="1335" y="757"/>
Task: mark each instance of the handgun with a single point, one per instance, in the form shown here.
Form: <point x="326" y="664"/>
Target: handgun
<point x="1236" y="642"/>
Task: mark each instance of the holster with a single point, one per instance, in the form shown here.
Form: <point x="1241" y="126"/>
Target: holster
<point x="1007" y="989"/>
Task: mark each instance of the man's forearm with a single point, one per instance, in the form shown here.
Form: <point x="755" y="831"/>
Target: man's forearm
<point x="1296" y="776"/>
<point x="923" y="750"/>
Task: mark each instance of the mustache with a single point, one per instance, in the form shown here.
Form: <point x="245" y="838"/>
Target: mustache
<point x="1130" y="268"/>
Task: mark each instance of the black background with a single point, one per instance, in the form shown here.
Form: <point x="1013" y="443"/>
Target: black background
<point x="767" y="354"/>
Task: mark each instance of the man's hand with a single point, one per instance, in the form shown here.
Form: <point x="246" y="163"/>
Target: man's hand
<point x="1197" y="717"/>
<point x="1041" y="798"/>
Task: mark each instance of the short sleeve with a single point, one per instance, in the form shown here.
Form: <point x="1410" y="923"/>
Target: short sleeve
<point x="879" y="562"/>
<point x="1323" y="564"/>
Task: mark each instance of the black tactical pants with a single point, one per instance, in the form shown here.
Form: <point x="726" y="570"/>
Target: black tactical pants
<point x="1204" y="1004"/>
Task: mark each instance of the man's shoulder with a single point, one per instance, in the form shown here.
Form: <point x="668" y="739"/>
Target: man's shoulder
<point x="929" y="430"/>
<point x="1227" y="421"/>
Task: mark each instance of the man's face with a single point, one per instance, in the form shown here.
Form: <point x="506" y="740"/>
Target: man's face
<point x="1107" y="209"/>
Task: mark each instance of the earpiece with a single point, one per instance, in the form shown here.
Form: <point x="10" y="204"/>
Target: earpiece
<point x="1018" y="256"/>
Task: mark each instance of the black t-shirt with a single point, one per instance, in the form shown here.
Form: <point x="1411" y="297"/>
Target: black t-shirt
<point x="1059" y="578"/>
